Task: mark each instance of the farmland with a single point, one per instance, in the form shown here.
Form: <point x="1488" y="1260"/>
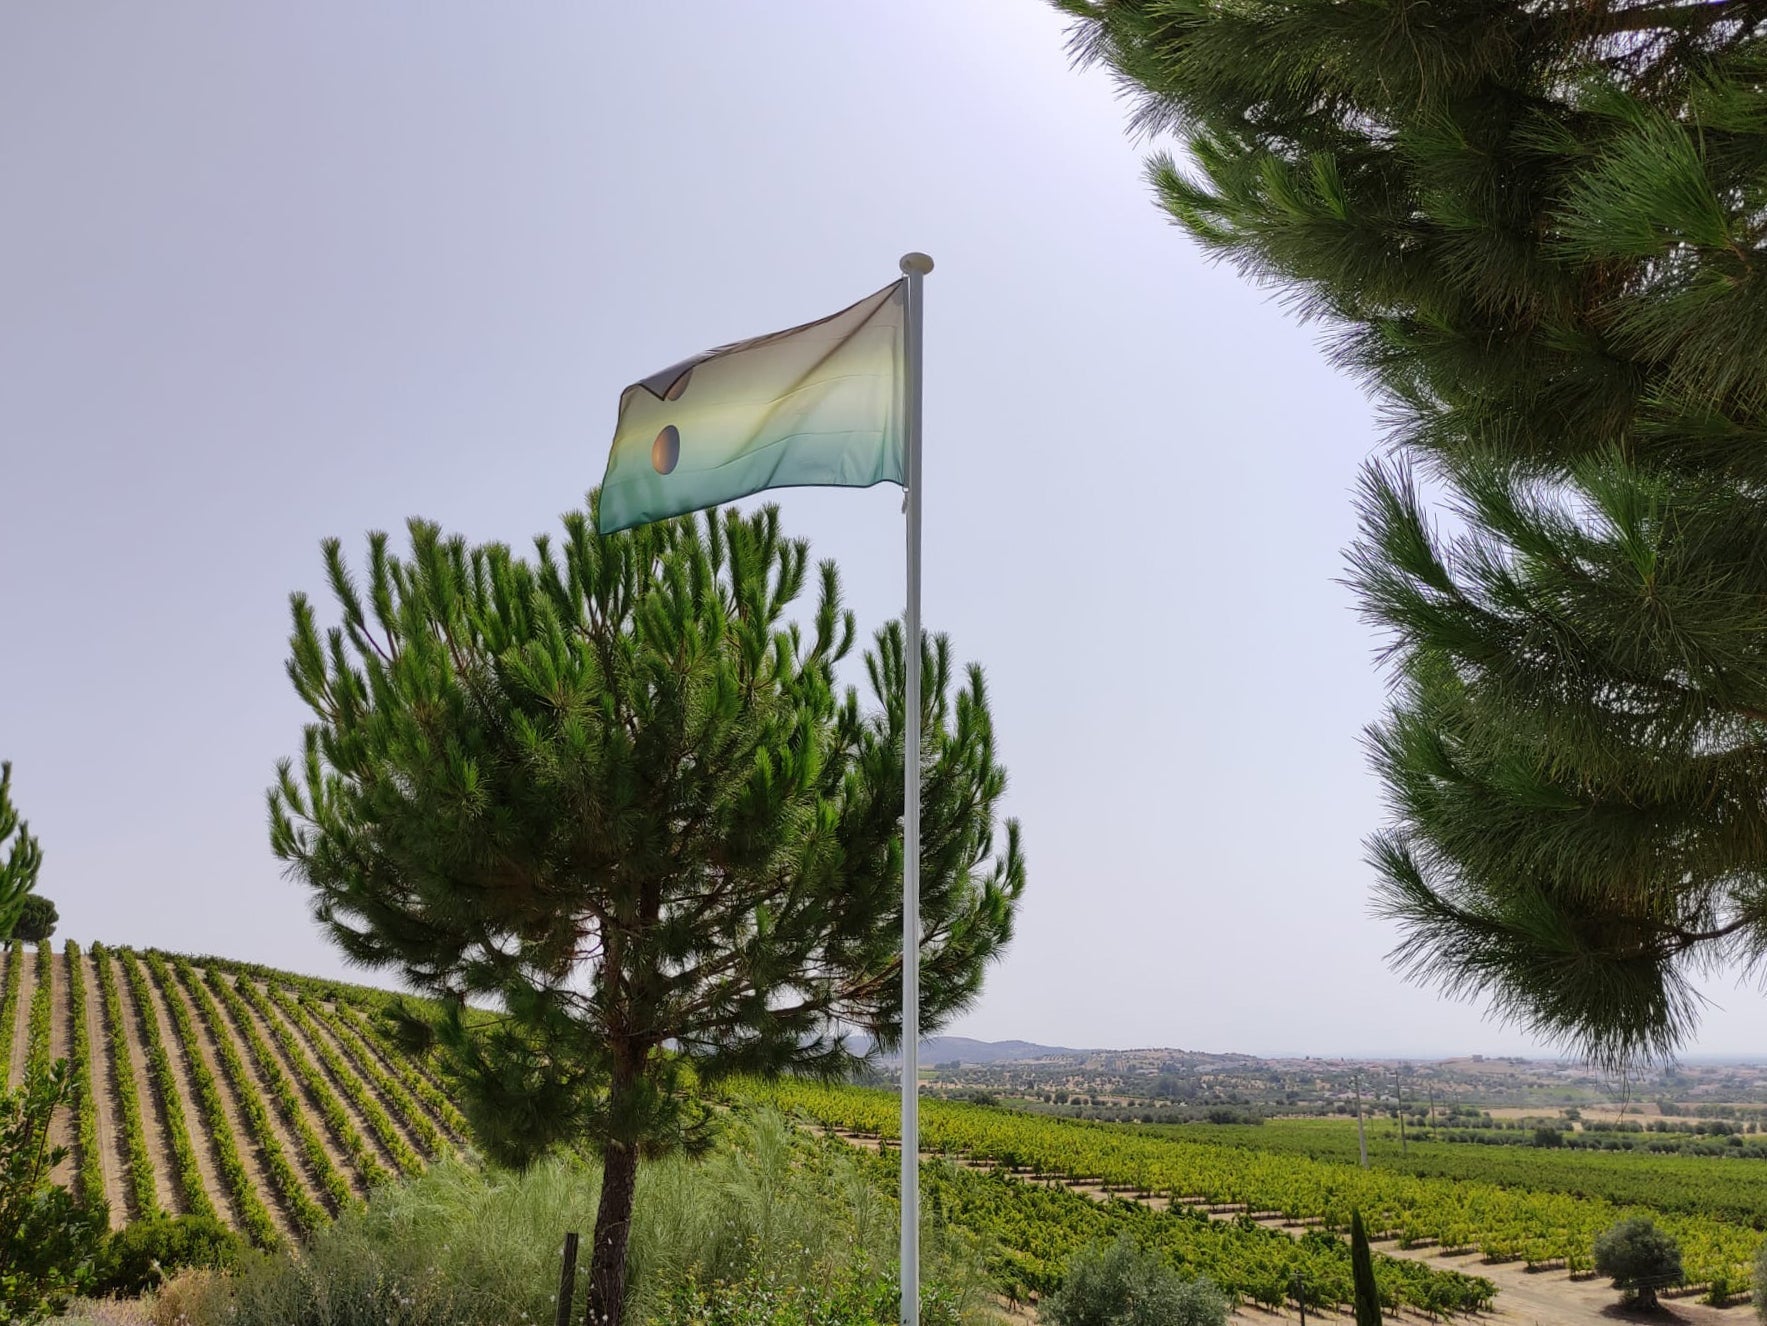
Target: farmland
<point x="203" y="1086"/>
<point x="275" y="1102"/>
<point x="1528" y="1221"/>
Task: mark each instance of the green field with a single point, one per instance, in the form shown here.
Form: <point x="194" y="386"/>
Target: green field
<point x="1534" y="1210"/>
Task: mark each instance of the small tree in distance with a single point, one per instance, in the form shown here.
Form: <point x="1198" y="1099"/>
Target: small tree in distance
<point x="616" y="792"/>
<point x="1640" y="1259"/>
<point x="20" y="863"/>
<point x="36" y="921"/>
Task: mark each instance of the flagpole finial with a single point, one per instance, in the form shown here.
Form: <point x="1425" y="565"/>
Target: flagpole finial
<point x="916" y="264"/>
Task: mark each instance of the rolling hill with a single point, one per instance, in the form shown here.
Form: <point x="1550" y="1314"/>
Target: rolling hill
<point x="267" y="1099"/>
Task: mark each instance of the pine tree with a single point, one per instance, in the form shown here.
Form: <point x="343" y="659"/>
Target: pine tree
<point x="20" y="863"/>
<point x="1366" y="1291"/>
<point x="1538" y="232"/>
<point x="616" y="791"/>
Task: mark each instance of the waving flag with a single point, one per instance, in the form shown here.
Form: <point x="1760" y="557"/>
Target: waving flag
<point x="817" y="405"/>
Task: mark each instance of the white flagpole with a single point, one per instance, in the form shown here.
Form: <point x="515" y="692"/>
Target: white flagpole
<point x="914" y="266"/>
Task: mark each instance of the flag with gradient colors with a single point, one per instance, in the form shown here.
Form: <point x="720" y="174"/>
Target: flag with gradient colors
<point x="818" y="405"/>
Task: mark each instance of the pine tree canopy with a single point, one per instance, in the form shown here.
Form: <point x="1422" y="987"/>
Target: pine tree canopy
<point x="21" y="856"/>
<point x="616" y="791"/>
<point x="1538" y="233"/>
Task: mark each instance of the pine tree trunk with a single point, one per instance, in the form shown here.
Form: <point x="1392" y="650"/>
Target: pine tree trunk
<point x="613" y="1228"/>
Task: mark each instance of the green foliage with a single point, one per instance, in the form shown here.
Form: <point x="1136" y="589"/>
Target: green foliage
<point x="1639" y="1258"/>
<point x="143" y="1198"/>
<point x="1120" y="1284"/>
<point x="1535" y="231"/>
<point x="1367" y="1292"/>
<point x="148" y="1252"/>
<point x="22" y="860"/>
<point x="38" y="1029"/>
<point x="36" y="919"/>
<point x="617" y="791"/>
<point x="763" y="1220"/>
<point x="49" y="1241"/>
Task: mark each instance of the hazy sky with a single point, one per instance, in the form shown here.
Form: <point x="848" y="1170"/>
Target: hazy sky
<point x="275" y="272"/>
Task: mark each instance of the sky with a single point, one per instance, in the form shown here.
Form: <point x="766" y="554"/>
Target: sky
<point x="273" y="273"/>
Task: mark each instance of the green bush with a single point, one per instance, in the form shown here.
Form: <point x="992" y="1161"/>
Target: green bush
<point x="146" y="1253"/>
<point x="1120" y="1284"/>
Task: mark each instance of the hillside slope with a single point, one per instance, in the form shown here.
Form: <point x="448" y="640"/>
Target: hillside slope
<point x="268" y="1099"/>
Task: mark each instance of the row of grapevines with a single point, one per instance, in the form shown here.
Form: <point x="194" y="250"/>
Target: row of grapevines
<point x="165" y="1083"/>
<point x="366" y="1105"/>
<point x="85" y="1103"/>
<point x="318" y="1090"/>
<point x="325" y="1174"/>
<point x="38" y="1045"/>
<point x="1725" y="1187"/>
<point x="1503" y="1223"/>
<point x="254" y="1216"/>
<point x="141" y="1184"/>
<point x="306" y="1214"/>
<point x="403" y="1067"/>
<point x="408" y="1111"/>
<point x="1032" y="1230"/>
<point x="15" y="970"/>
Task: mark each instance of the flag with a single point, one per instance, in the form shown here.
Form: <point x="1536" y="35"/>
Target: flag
<point x="821" y="404"/>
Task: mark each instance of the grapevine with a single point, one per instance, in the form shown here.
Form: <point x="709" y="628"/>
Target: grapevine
<point x="91" y="1171"/>
<point x="141" y="1184"/>
<point x="159" y="1067"/>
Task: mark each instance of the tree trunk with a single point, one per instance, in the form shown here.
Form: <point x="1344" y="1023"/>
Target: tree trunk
<point x="613" y="1228"/>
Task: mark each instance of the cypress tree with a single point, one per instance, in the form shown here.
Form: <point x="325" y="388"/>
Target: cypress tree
<point x="615" y="792"/>
<point x="1538" y="233"/>
<point x="1367" y="1292"/>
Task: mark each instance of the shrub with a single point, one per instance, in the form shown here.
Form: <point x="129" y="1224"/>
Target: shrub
<point x="1640" y="1258"/>
<point x="1121" y="1284"/>
<point x="1548" y="1137"/>
<point x="48" y="1241"/>
<point x="147" y="1253"/>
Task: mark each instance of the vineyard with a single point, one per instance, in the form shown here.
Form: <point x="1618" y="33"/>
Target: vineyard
<point x="203" y="1086"/>
<point x="1537" y="1225"/>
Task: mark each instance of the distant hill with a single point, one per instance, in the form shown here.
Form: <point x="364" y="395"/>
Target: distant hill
<point x="964" y="1050"/>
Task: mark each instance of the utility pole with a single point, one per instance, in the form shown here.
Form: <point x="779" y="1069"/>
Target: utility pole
<point x="1361" y="1135"/>
<point x="1432" y="1107"/>
<point x="1399" y="1092"/>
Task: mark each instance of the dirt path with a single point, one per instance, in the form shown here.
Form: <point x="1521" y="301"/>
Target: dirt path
<point x="249" y="1148"/>
<point x="21" y="1022"/>
<point x="153" y="1115"/>
<point x="103" y="1085"/>
<point x="1524" y="1297"/>
<point x="200" y="1145"/>
<point x="62" y="1126"/>
<point x="339" y="1157"/>
<point x="369" y="1138"/>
